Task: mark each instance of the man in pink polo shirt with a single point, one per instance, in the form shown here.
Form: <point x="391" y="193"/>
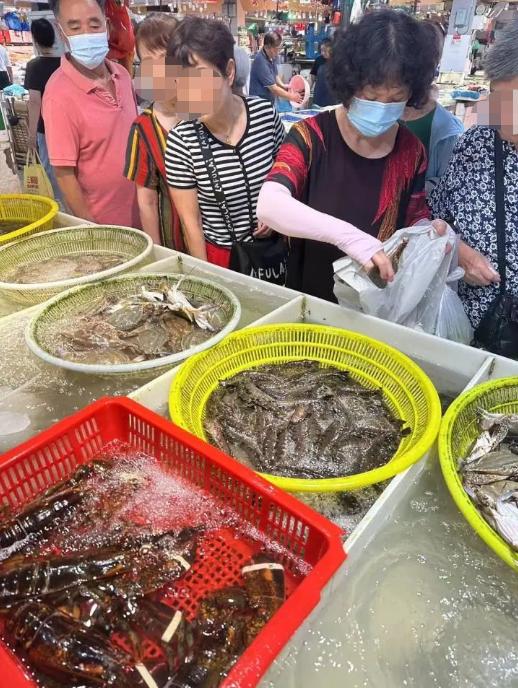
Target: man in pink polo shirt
<point x="88" y="110"/>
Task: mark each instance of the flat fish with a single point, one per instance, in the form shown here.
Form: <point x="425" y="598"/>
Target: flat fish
<point x="490" y="474"/>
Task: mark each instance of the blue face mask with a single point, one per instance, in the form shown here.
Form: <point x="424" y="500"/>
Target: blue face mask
<point x="89" y="49"/>
<point x="373" y="118"/>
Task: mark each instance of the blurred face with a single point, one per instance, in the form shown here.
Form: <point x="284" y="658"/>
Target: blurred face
<point x="273" y="51"/>
<point x="326" y="51"/>
<point x="155" y="80"/>
<point x="500" y="110"/>
<point x="78" y="17"/>
<point x="384" y="94"/>
<point x="201" y="89"/>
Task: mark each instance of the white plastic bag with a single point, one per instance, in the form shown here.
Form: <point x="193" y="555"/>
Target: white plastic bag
<point x="414" y="296"/>
<point x="452" y="321"/>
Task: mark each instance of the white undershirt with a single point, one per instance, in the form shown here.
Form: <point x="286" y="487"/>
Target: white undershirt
<point x="4" y="59"/>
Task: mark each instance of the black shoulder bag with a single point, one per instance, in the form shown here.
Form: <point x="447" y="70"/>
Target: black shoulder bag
<point x="498" y="330"/>
<point x="261" y="258"/>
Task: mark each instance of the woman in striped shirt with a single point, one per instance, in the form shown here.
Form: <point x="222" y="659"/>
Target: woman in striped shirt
<point x="240" y="135"/>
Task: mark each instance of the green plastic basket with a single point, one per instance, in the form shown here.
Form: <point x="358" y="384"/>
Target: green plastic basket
<point x="133" y="246"/>
<point x="43" y="328"/>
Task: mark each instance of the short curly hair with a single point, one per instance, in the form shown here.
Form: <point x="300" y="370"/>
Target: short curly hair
<point x="384" y="47"/>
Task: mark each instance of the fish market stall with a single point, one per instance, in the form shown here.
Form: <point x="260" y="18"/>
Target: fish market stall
<point x="35" y="394"/>
<point x="421" y="600"/>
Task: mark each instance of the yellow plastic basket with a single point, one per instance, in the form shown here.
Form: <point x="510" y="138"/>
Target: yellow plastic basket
<point x="36" y="212"/>
<point x="407" y="390"/>
<point x="459" y="429"/>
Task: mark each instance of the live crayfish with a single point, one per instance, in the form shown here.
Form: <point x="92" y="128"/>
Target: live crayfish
<point x="160" y="560"/>
<point x="42" y="514"/>
<point x="62" y="647"/>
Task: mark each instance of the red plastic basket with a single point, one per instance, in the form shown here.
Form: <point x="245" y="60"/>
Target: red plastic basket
<point x="53" y="455"/>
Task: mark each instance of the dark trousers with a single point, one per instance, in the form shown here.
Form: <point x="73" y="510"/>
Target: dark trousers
<point x="4" y="80"/>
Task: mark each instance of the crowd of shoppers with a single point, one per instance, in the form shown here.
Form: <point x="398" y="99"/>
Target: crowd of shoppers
<point x="204" y="166"/>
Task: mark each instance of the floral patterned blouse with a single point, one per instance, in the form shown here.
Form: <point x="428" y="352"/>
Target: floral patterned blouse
<point x="465" y="197"/>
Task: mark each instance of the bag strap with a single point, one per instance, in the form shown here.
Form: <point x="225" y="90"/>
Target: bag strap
<point x="500" y="209"/>
<point x="212" y="171"/>
<point x="248" y="193"/>
<point x="33" y="157"/>
<point x="30" y="158"/>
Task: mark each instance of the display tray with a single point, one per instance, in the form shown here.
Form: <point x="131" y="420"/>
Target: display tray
<point x="39" y="394"/>
<point x="439" y="588"/>
<point x="418" y="580"/>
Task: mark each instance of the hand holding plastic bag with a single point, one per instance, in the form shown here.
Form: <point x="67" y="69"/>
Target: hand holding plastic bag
<point x="422" y="260"/>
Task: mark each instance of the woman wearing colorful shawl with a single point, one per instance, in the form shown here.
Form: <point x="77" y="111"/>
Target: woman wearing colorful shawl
<point x="145" y="163"/>
<point x="347" y="179"/>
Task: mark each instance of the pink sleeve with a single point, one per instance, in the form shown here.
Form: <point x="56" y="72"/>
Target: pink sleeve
<point x="61" y="133"/>
<point x="278" y="209"/>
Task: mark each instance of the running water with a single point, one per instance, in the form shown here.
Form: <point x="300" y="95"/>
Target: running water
<point x="140" y="496"/>
<point x="425" y="604"/>
<point x="143" y="565"/>
<point x="34" y="394"/>
<point x="132" y="495"/>
<point x="346" y="509"/>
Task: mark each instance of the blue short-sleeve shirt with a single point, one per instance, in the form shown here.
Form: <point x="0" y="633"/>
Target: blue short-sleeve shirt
<point x="262" y="75"/>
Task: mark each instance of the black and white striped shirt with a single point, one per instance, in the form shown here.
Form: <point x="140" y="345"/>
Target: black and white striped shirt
<point x="242" y="169"/>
